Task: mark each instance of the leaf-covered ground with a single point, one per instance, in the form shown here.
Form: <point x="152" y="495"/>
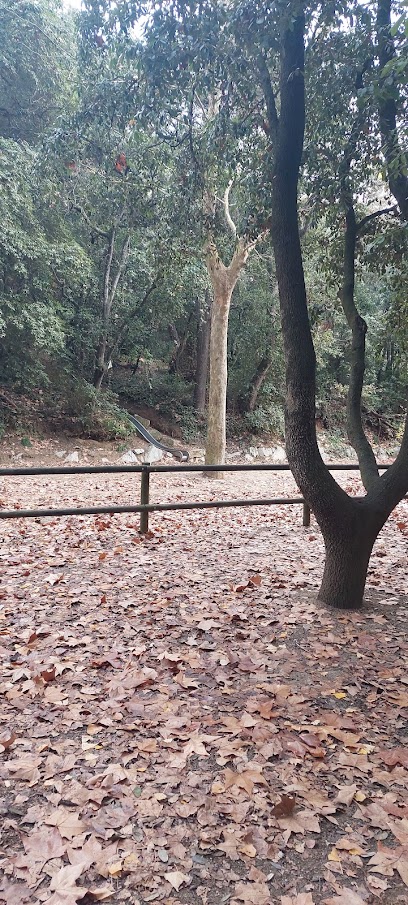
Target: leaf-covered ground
<point x="181" y="722"/>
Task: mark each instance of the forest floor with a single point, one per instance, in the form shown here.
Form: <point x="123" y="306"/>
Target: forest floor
<point x="182" y="723"/>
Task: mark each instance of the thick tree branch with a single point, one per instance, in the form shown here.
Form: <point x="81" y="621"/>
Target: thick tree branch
<point x="357" y="324"/>
<point x="126" y="321"/>
<point x="230" y="222"/>
<point x="106" y="277"/>
<point x="266" y="84"/>
<point x="121" y="266"/>
<point x="94" y="229"/>
<point x="388" y="111"/>
<point x="358" y="327"/>
<point x="381" y="213"/>
<point x="393" y="484"/>
<point x="318" y="486"/>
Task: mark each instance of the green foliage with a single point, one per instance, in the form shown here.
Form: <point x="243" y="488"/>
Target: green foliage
<point x="37" y="63"/>
<point x="266" y="419"/>
<point x="180" y="97"/>
<point x="191" y="424"/>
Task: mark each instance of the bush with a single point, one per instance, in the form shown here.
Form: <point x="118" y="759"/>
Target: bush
<point x="267" y="420"/>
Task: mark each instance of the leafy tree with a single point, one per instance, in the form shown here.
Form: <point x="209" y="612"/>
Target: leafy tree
<point x="42" y="268"/>
<point x="207" y="116"/>
<point x="37" y="64"/>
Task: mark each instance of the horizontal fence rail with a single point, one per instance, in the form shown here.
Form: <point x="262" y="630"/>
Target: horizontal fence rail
<point x="145" y="470"/>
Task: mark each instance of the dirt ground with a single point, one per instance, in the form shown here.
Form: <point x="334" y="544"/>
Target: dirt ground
<point x="181" y="722"/>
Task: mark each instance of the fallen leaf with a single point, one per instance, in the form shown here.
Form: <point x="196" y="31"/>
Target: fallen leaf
<point x="285" y="806"/>
<point x="245" y="780"/>
<point x="63" y="885"/>
<point x="176" y="879"/>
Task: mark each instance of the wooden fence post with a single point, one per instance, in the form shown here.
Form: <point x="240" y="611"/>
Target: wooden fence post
<point x="144" y="497"/>
<point x="306" y="515"/>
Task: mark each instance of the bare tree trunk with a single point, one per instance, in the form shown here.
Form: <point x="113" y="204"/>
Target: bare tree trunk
<point x="203" y="351"/>
<point x="349" y="526"/>
<point x="101" y="365"/>
<point x="348" y="548"/>
<point x="223" y="281"/>
<point x="217" y="401"/>
<point x="181" y="343"/>
<point x="110" y="286"/>
<point x="249" y="400"/>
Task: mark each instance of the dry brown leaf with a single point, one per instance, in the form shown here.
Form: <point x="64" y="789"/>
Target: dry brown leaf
<point x="301" y="898"/>
<point x="252" y="894"/>
<point x="63" y="885"/>
<point x="43" y="844"/>
<point x="176" y="879"/>
<point x="346" y="896"/>
<point x="386" y="860"/>
<point x="346" y="794"/>
<point x="245" y="780"/>
<point x="7" y="740"/>
<point x="67" y="822"/>
<point x="101" y="893"/>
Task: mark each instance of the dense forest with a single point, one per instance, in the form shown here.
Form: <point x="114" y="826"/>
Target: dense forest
<point x="134" y="154"/>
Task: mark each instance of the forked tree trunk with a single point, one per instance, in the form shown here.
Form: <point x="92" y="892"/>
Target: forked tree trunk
<point x="223" y="281"/>
<point x="349" y="526"/>
<point x="257" y="382"/>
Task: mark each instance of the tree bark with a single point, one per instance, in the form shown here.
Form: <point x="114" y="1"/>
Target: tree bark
<point x="217" y="399"/>
<point x="203" y="351"/>
<point x="357" y="324"/>
<point x="388" y="111"/>
<point x="349" y="526"/>
<point x="101" y="365"/>
<point x="110" y="286"/>
<point x="348" y="549"/>
<point x="223" y="280"/>
<point x="249" y="400"/>
<point x="181" y="343"/>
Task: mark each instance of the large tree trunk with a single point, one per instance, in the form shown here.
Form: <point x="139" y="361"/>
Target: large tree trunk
<point x="349" y="526"/>
<point x="348" y="543"/>
<point x="223" y="281"/>
<point x="203" y="351"/>
<point x="217" y="399"/>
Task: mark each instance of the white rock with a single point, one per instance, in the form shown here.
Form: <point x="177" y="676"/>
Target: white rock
<point x="265" y="452"/>
<point x="129" y="458"/>
<point x="138" y="452"/>
<point x="152" y="454"/>
<point x="60" y="453"/>
<point x="248" y="457"/>
<point x="72" y="457"/>
<point x="279" y="455"/>
<point x="253" y="452"/>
